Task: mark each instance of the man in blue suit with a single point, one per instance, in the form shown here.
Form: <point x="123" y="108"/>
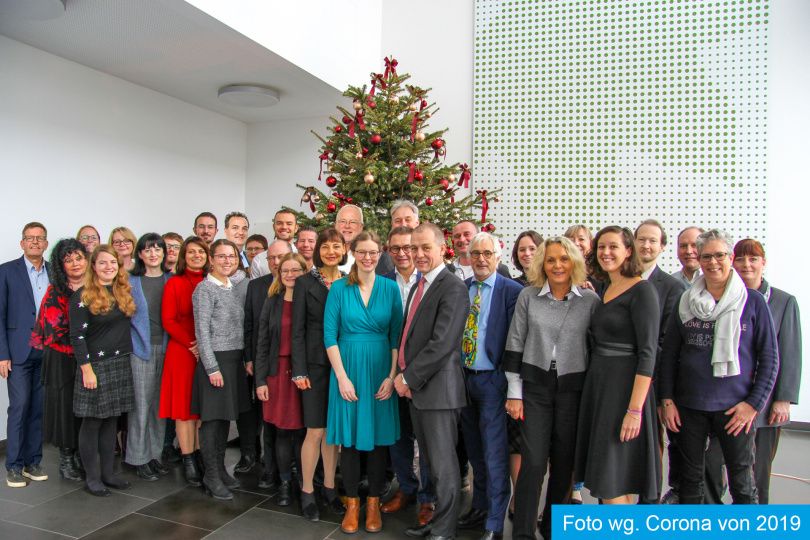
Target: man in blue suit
<point x="23" y="283"/>
<point x="406" y="276"/>
<point x="483" y="421"/>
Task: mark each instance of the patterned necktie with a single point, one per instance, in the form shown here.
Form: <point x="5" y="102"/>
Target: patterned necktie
<point x="469" y="345"/>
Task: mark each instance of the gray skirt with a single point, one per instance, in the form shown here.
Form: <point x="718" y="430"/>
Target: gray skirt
<point x="113" y="394"/>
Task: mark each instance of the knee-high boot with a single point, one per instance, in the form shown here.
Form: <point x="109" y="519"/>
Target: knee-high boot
<point x="209" y="441"/>
<point x="222" y="444"/>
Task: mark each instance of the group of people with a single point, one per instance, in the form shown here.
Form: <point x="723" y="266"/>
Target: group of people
<point x="339" y="346"/>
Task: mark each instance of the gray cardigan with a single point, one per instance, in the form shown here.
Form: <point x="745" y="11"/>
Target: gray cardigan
<point x="545" y="329"/>
<point x="219" y="316"/>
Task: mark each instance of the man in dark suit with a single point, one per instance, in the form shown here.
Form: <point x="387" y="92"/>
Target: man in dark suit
<point x="430" y="373"/>
<point x="23" y="284"/>
<point x="406" y="276"/>
<point x="462" y="236"/>
<point x="483" y="422"/>
<point x="651" y="240"/>
<point x="250" y="423"/>
<point x="403" y="214"/>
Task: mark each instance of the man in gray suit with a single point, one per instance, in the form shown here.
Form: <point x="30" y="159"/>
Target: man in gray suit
<point x="430" y="373"/>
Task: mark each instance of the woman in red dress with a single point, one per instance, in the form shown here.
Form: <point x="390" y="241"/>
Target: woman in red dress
<point x="273" y="371"/>
<point x="182" y="353"/>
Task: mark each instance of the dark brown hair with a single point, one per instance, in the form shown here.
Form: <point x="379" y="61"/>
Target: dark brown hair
<point x="181" y="256"/>
<point x="398" y="231"/>
<point x="260" y="238"/>
<point x="536" y="237"/>
<point x="749" y="248"/>
<point x="327" y="235"/>
<point x="632" y="265"/>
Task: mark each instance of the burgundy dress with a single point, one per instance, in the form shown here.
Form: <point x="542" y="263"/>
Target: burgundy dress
<point x="283" y="409"/>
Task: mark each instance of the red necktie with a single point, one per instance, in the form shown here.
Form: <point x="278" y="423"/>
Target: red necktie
<point x="414" y="304"/>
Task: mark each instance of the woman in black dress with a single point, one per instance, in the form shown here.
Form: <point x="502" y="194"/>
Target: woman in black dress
<point x="52" y="334"/>
<point x="312" y="370"/>
<point x="617" y="437"/>
<point x="99" y="332"/>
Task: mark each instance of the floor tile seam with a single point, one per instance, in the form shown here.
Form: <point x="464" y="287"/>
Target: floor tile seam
<point x="170" y="521"/>
<point x="52" y="498"/>
<point x="17" y="502"/>
<point x="242" y="514"/>
<point x="337" y="526"/>
<point x="39" y="528"/>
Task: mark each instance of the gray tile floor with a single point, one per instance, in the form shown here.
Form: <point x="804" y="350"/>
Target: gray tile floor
<point x="169" y="509"/>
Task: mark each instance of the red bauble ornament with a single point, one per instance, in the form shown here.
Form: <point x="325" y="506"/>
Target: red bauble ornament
<point x="419" y="175"/>
<point x="365" y="151"/>
<point x="437" y="144"/>
<point x="491" y="227"/>
<point x="331" y="207"/>
<point x="428" y="201"/>
<point x="450" y="253"/>
<point x="346" y="120"/>
<point x="375" y="139"/>
<point x="371" y="105"/>
<point x="424" y="103"/>
<point x="444" y="183"/>
<point x="331" y="181"/>
<point x="338" y="129"/>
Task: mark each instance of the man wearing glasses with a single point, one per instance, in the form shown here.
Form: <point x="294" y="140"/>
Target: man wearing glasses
<point x="205" y="226"/>
<point x="402" y="452"/>
<point x="23" y="283"/>
<point x="349" y="223"/>
<point x="462" y="236"/>
<point x="403" y="214"/>
<point x="483" y="424"/>
<point x="173" y="243"/>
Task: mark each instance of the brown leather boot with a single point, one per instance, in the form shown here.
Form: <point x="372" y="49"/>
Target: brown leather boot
<point x="373" y="517"/>
<point x="352" y="517"/>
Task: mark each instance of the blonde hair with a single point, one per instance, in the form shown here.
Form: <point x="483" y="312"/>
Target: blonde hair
<point x="364" y="236"/>
<point x="278" y="287"/>
<point x="536" y="273"/>
<point x="126" y="233"/>
<point x="96" y="297"/>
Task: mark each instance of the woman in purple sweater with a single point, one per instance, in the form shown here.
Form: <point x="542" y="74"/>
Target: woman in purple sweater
<point x="718" y="367"/>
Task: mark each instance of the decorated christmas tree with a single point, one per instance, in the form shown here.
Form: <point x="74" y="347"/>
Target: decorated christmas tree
<point x="381" y="151"/>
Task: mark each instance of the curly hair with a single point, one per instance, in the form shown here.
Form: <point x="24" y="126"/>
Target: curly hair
<point x="96" y="296"/>
<point x="278" y="287"/>
<point x="58" y="276"/>
<point x="632" y="264"/>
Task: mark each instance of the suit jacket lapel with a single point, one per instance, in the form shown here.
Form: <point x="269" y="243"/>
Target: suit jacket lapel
<point x="429" y="294"/>
<point x="26" y="281"/>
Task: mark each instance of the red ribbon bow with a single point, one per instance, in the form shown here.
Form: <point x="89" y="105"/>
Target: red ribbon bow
<point x="343" y="199"/>
<point x="465" y="175"/>
<point x="323" y="158"/>
<point x="390" y="67"/>
<point x="411" y="167"/>
<point x="359" y="118"/>
<point x="484" y="204"/>
<point x="422" y="104"/>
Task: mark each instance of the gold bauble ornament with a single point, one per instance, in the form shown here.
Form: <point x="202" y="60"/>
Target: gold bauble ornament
<point x="305" y="197"/>
<point x="316" y="198"/>
<point x="351" y="171"/>
<point x="456" y="216"/>
<point x="451" y="177"/>
<point x="413" y="107"/>
<point x="394" y="99"/>
<point x="359" y="155"/>
<point x="369" y="178"/>
<point x="496" y="198"/>
<point x="419" y="136"/>
<point x="319" y="216"/>
<point x="357" y="105"/>
<point x="426" y="113"/>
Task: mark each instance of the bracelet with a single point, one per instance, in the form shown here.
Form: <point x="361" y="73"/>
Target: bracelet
<point x="390" y="379"/>
<point x="633" y="411"/>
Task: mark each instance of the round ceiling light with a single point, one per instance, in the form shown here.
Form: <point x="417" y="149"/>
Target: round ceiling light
<point x="244" y="95"/>
<point x="37" y="10"/>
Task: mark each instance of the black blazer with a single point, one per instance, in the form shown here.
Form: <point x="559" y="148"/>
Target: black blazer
<point x="385" y="264"/>
<point x="18" y="312"/>
<point x="269" y="331"/>
<point x="669" y="291"/>
<point x="309" y="304"/>
<point x="254" y="301"/>
<point x="788" y="326"/>
<point x="433" y="344"/>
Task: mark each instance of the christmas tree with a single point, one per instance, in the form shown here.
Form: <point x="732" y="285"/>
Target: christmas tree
<point x="382" y="151"/>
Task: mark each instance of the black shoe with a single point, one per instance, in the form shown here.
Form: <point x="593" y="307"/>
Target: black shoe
<point x="285" y="493"/>
<point x="159" y="468"/>
<point x="192" y="473"/>
<point x="98" y="493"/>
<point x="245" y="464"/>
<point x="172" y="454"/>
<point x="438" y="537"/>
<point x="671" y="497"/>
<point x="333" y="501"/>
<point x="229" y="481"/>
<point x="234" y="443"/>
<point x="309" y="508"/>
<point x="15" y="478"/>
<point x="575" y="501"/>
<point x="511" y="514"/>
<point x="34" y="472"/>
<point x="267" y="481"/>
<point x="67" y="466"/>
<point x="491" y="535"/>
<point x="216" y="488"/>
<point x="117" y="483"/>
<point x="420" y="531"/>
<point x="474" y="519"/>
<point x="146" y="473"/>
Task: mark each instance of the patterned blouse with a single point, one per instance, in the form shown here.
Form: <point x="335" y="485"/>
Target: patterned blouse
<point x="52" y="328"/>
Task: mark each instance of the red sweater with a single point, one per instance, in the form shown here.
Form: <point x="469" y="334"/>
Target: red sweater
<point x="178" y="312"/>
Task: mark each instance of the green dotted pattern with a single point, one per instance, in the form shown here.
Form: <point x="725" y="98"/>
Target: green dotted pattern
<point x="611" y="112"/>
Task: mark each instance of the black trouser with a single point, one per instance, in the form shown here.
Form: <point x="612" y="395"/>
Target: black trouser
<point x="375" y="465"/>
<point x="269" y="437"/>
<point x="288" y="446"/>
<point x="549" y="433"/>
<point x="249" y="425"/>
<point x="97" y="448"/>
<point x="738" y="453"/>
<point x="767" y="442"/>
<point x="714" y="472"/>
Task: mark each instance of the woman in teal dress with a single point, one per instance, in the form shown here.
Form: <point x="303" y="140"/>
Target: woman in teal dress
<point x="361" y="329"/>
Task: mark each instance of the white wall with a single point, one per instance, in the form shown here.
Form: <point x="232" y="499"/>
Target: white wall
<point x="79" y="146"/>
<point x="788" y="177"/>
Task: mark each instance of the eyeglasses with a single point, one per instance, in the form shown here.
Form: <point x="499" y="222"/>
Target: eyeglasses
<point x="719" y="257"/>
<point x="171" y="247"/>
<point x="223" y="258"/>
<point x="396" y="249"/>
<point x="87" y="237"/>
<point x="291" y="272"/>
<point x="362" y="254"/>
<point x="475" y="254"/>
<point x="256" y="249"/>
<point x="125" y="242"/>
<point x="36" y="238"/>
<point x="275" y="257"/>
<point x="350" y="222"/>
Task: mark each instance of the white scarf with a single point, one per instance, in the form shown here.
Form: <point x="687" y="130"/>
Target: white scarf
<point x="699" y="303"/>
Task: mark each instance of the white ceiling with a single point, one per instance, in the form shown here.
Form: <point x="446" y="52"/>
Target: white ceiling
<point x="173" y="48"/>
